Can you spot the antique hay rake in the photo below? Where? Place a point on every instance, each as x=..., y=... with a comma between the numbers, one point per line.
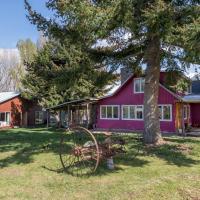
x=81, y=153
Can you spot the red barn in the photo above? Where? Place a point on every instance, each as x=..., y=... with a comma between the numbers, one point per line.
x=17, y=111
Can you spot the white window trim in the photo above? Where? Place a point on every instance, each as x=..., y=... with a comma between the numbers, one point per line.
x=140, y=85
x=136, y=119
x=112, y=112
x=166, y=120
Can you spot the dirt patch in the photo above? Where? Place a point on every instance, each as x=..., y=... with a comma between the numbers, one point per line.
x=184, y=148
x=189, y=194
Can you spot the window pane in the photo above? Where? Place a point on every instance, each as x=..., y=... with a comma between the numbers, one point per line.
x=166, y=112
x=185, y=112
x=38, y=117
x=132, y=112
x=160, y=112
x=115, y=112
x=137, y=85
x=103, y=112
x=125, y=112
x=139, y=112
x=109, y=112
x=2, y=117
x=142, y=85
x=8, y=117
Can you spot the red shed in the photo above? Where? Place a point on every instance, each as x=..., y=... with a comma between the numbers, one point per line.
x=17, y=111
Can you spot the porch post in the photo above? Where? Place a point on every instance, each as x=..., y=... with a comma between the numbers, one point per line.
x=47, y=118
x=183, y=122
x=78, y=117
x=60, y=120
x=68, y=115
x=87, y=114
x=71, y=116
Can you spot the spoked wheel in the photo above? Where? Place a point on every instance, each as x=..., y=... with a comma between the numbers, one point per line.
x=79, y=152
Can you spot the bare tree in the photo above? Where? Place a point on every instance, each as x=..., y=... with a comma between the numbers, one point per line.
x=9, y=63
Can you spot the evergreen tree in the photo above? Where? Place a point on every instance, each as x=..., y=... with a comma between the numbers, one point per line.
x=57, y=75
x=128, y=32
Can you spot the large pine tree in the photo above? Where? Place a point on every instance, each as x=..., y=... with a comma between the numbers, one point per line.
x=129, y=32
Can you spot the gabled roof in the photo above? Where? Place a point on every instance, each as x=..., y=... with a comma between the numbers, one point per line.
x=121, y=86
x=5, y=96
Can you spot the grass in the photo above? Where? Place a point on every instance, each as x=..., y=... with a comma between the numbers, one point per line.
x=30, y=169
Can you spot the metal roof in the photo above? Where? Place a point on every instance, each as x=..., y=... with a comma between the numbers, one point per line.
x=191, y=98
x=78, y=101
x=5, y=96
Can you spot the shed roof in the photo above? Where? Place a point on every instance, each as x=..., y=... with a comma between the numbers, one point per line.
x=5, y=96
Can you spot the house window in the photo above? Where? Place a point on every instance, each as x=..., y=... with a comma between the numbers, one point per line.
x=185, y=112
x=109, y=112
x=139, y=85
x=5, y=118
x=132, y=112
x=165, y=112
x=189, y=89
x=38, y=117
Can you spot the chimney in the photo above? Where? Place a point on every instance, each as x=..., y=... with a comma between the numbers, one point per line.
x=126, y=72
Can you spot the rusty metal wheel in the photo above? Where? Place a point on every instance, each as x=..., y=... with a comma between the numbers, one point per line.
x=79, y=151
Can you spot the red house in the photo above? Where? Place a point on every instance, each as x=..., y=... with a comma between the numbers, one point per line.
x=123, y=110
x=17, y=111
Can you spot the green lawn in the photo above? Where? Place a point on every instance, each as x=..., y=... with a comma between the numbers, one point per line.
x=30, y=169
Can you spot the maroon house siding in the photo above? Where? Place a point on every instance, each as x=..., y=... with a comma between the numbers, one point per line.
x=126, y=96
x=195, y=114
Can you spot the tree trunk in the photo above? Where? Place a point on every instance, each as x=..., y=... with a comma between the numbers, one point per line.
x=152, y=133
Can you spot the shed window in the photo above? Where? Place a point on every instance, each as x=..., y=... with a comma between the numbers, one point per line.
x=109, y=112
x=38, y=117
x=5, y=118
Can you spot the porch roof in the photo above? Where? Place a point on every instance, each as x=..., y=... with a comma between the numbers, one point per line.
x=192, y=98
x=74, y=102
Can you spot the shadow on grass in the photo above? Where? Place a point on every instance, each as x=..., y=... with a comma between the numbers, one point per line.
x=175, y=153
x=28, y=142
x=25, y=143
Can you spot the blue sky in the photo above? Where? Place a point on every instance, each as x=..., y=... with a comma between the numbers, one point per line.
x=13, y=22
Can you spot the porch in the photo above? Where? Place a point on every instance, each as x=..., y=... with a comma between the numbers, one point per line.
x=194, y=132
x=192, y=127
x=77, y=112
